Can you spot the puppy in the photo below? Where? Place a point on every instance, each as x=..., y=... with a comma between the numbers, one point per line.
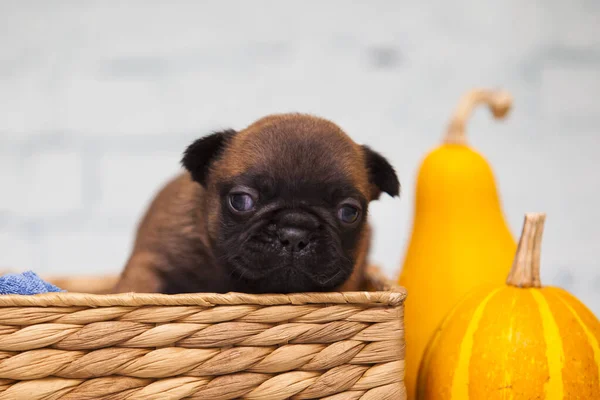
x=278, y=207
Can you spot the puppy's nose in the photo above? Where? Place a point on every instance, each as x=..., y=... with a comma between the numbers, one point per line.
x=294, y=238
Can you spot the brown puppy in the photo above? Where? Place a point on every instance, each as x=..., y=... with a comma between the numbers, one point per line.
x=278, y=207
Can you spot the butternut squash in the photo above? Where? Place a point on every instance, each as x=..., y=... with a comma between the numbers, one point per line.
x=515, y=341
x=459, y=237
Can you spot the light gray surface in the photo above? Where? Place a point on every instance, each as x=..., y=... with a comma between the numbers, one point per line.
x=98, y=99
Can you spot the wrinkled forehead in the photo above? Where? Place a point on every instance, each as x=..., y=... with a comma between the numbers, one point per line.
x=311, y=153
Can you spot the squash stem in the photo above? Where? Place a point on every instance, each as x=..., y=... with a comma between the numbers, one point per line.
x=499, y=102
x=525, y=270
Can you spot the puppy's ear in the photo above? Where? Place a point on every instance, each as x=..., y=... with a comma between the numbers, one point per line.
x=199, y=155
x=381, y=174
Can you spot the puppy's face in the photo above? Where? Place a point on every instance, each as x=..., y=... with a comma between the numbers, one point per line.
x=287, y=201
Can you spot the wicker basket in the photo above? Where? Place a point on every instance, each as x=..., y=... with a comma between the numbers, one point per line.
x=203, y=346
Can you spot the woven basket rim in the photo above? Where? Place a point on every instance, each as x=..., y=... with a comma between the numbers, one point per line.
x=201, y=299
x=392, y=295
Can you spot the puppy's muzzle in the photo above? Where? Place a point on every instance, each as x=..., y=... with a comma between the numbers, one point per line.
x=294, y=239
x=295, y=229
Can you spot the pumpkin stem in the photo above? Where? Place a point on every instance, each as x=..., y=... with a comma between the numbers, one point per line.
x=525, y=271
x=499, y=102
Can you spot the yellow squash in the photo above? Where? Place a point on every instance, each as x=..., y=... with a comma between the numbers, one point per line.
x=459, y=238
x=515, y=341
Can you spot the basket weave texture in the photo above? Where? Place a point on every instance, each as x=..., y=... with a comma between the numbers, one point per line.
x=79, y=346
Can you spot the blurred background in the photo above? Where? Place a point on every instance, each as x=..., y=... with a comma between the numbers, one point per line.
x=98, y=99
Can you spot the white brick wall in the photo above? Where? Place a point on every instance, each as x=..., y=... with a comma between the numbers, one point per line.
x=128, y=182
x=10, y=196
x=19, y=252
x=98, y=100
x=92, y=252
x=571, y=90
x=50, y=184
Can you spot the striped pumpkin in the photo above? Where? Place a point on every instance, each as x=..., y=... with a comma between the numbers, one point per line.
x=516, y=341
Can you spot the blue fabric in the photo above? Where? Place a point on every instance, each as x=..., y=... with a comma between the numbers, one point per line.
x=26, y=283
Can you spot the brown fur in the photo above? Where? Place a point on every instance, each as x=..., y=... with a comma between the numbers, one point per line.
x=176, y=235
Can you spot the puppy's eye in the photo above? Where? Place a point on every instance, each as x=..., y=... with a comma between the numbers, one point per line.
x=348, y=214
x=241, y=202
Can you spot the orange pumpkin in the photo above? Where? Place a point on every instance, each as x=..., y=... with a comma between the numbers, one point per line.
x=516, y=341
